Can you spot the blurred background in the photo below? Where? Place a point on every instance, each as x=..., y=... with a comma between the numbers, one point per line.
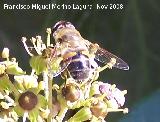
x=132, y=33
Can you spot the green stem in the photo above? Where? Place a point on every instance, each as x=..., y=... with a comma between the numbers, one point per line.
x=50, y=98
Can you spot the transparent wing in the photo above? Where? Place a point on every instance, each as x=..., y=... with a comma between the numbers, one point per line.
x=105, y=57
x=62, y=67
x=57, y=62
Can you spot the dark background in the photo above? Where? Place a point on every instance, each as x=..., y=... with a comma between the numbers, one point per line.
x=132, y=33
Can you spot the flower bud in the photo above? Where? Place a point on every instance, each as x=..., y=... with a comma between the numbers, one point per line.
x=99, y=108
x=48, y=30
x=56, y=107
x=4, y=105
x=5, y=53
x=71, y=92
x=2, y=69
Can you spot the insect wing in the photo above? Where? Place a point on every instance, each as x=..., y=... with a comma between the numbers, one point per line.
x=62, y=67
x=57, y=60
x=105, y=57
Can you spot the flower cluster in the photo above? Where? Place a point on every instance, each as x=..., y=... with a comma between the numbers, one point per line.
x=36, y=97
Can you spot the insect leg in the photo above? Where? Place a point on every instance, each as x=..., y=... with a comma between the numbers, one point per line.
x=108, y=65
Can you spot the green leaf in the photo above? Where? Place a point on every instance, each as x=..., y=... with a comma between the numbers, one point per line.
x=33, y=115
x=38, y=63
x=14, y=70
x=42, y=101
x=19, y=110
x=82, y=115
x=5, y=83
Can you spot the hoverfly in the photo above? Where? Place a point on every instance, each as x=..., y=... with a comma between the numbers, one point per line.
x=80, y=55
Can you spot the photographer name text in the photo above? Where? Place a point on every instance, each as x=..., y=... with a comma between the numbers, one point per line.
x=52, y=6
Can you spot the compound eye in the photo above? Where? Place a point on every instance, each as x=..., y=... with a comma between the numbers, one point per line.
x=60, y=25
x=59, y=40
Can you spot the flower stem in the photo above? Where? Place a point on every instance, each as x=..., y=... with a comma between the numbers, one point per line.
x=50, y=78
x=47, y=78
x=46, y=81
